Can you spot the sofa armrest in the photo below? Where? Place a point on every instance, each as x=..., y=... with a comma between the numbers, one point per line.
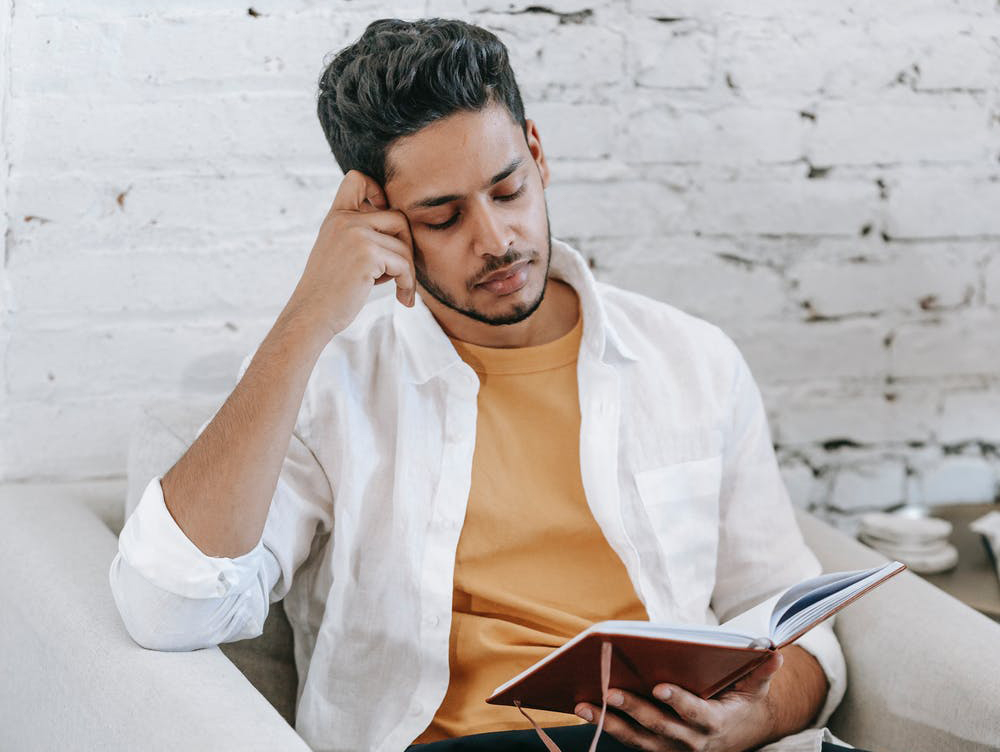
x=921, y=666
x=81, y=682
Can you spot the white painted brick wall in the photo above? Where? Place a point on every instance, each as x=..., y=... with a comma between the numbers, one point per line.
x=820, y=179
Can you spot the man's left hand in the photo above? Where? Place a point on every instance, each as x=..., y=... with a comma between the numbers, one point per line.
x=738, y=719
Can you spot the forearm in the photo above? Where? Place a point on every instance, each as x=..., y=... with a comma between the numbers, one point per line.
x=796, y=693
x=219, y=492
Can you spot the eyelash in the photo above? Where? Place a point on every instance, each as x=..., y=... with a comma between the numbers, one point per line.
x=450, y=222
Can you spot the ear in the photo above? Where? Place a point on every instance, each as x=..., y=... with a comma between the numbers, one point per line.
x=535, y=147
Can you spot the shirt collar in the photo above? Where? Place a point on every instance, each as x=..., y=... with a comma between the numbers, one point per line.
x=427, y=352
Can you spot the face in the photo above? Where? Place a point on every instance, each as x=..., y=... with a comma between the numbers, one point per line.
x=472, y=189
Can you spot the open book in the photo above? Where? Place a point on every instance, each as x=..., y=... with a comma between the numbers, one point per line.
x=702, y=659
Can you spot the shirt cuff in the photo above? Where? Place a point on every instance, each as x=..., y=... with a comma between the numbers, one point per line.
x=155, y=546
x=821, y=642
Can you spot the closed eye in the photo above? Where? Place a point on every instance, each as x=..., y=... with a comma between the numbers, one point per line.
x=450, y=222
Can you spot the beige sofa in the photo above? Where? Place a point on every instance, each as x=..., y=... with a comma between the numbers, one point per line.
x=923, y=669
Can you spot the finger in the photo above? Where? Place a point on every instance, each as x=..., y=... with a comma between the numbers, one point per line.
x=392, y=223
x=631, y=733
x=359, y=192
x=693, y=711
x=654, y=716
x=390, y=264
x=759, y=679
x=394, y=245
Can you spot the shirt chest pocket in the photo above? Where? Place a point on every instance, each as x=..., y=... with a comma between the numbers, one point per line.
x=682, y=503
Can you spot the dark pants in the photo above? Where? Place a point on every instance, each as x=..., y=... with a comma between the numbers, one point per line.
x=569, y=738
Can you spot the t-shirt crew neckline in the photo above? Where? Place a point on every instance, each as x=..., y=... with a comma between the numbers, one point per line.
x=510, y=360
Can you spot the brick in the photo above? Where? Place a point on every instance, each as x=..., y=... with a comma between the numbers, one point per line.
x=258, y=129
x=162, y=209
x=807, y=9
x=956, y=480
x=818, y=352
x=970, y=416
x=548, y=57
x=848, y=56
x=916, y=207
x=589, y=209
x=561, y=134
x=912, y=279
x=950, y=52
x=992, y=276
x=135, y=59
x=60, y=365
x=701, y=284
x=197, y=10
x=785, y=55
x=576, y=53
x=869, y=487
x=239, y=282
x=670, y=56
x=861, y=417
x=956, y=129
x=799, y=482
x=730, y=135
x=959, y=345
x=778, y=207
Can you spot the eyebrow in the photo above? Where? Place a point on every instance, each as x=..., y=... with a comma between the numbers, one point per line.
x=438, y=200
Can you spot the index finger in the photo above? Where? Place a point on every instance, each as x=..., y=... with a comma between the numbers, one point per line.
x=355, y=189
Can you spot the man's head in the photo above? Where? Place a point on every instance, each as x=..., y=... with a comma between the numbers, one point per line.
x=430, y=109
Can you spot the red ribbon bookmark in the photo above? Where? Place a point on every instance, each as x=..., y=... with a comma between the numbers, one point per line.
x=605, y=681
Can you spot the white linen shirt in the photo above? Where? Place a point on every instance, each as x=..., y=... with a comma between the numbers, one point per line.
x=677, y=466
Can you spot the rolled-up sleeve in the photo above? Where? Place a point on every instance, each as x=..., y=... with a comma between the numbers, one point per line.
x=761, y=549
x=173, y=596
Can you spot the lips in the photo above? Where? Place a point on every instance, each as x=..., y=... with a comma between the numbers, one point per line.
x=504, y=272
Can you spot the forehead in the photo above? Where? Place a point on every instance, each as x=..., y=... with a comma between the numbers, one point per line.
x=453, y=155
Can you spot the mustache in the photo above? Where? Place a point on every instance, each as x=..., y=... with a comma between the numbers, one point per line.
x=507, y=260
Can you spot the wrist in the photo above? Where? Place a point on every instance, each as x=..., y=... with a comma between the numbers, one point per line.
x=301, y=333
x=295, y=322
x=768, y=723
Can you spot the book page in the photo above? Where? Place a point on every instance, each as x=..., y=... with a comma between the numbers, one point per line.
x=811, y=601
x=755, y=620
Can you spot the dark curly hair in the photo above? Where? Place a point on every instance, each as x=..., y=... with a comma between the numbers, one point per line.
x=403, y=75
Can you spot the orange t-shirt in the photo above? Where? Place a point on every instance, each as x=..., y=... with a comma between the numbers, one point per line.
x=532, y=567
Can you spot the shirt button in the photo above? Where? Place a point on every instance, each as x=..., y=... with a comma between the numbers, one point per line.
x=416, y=709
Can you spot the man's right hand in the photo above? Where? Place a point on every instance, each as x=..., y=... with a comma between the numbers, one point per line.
x=361, y=243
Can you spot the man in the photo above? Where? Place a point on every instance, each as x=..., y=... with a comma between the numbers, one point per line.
x=445, y=489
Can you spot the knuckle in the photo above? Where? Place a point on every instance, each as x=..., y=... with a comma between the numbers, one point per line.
x=662, y=727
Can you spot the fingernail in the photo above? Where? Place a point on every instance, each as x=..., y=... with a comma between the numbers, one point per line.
x=615, y=698
x=585, y=714
x=662, y=693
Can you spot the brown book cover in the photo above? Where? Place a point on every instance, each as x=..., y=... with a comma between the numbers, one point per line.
x=571, y=674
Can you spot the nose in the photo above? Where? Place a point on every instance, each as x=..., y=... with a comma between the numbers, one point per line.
x=490, y=234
